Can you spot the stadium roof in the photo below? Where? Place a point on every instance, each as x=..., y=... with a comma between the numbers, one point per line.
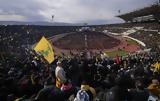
x=151, y=10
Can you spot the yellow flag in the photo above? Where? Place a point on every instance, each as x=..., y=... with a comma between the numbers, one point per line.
x=45, y=49
x=156, y=67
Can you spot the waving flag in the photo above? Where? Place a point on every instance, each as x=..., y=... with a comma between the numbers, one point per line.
x=156, y=67
x=45, y=49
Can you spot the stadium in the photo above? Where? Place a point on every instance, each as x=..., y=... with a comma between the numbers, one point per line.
x=107, y=62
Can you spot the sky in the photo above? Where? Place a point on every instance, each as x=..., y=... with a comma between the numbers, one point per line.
x=70, y=11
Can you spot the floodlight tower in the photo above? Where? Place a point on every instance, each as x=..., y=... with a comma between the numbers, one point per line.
x=52, y=18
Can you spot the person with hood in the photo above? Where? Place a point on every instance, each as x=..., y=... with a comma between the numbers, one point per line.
x=60, y=75
x=139, y=93
x=119, y=91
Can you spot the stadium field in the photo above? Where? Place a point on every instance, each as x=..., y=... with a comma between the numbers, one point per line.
x=117, y=52
x=131, y=42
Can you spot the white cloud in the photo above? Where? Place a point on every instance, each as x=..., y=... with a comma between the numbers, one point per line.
x=76, y=11
x=12, y=18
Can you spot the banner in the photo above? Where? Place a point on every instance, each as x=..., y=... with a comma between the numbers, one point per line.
x=45, y=49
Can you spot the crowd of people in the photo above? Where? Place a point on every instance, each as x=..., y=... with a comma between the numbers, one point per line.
x=150, y=37
x=147, y=25
x=81, y=78
x=15, y=38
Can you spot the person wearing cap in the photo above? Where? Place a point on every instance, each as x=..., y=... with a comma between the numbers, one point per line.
x=60, y=75
x=86, y=93
x=154, y=90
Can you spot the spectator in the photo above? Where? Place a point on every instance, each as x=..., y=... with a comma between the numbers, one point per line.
x=60, y=75
x=154, y=90
x=139, y=93
x=86, y=93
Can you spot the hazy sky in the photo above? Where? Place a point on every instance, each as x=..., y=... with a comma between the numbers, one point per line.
x=73, y=11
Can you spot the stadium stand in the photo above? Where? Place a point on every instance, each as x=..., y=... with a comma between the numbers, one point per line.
x=26, y=76
x=14, y=38
x=151, y=13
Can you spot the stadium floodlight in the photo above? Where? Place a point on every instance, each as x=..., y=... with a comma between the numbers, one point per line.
x=52, y=17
